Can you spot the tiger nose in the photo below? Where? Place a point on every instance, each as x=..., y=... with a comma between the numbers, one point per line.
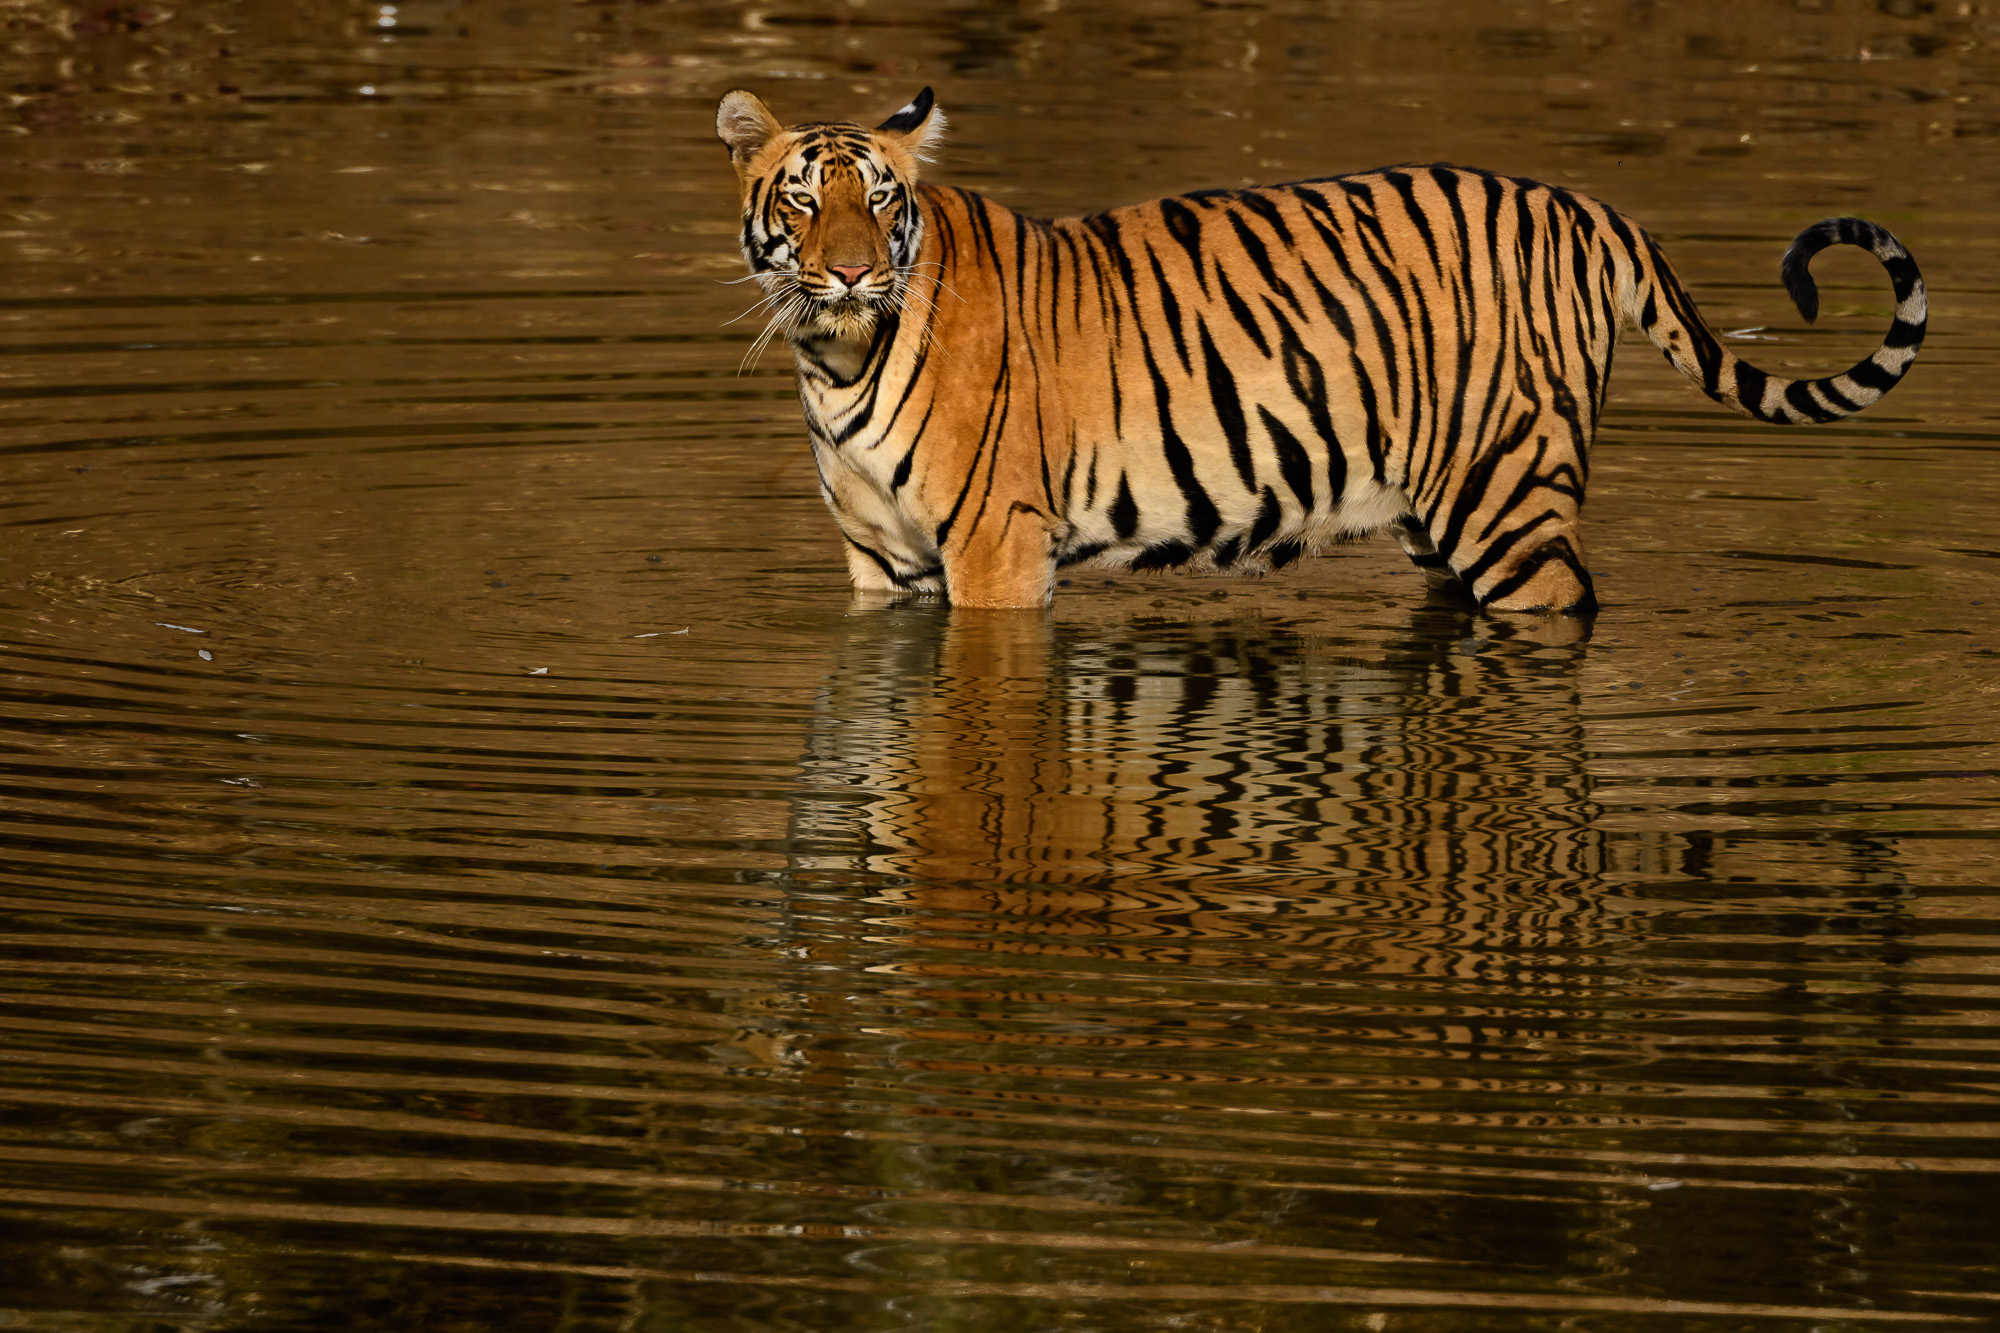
x=851, y=274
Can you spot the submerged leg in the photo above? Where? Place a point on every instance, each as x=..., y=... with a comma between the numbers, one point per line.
x=1507, y=523
x=1004, y=561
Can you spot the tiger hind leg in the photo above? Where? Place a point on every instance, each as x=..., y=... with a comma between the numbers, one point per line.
x=1509, y=528
x=1550, y=577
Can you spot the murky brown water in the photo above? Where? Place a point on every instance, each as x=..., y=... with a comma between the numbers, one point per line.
x=1213, y=956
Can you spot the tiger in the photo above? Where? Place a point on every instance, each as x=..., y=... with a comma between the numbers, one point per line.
x=1226, y=380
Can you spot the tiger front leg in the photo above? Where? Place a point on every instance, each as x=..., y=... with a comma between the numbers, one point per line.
x=1003, y=560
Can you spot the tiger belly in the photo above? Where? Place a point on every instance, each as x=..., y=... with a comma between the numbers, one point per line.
x=1147, y=526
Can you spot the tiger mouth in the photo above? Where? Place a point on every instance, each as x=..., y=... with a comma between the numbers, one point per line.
x=852, y=311
x=852, y=300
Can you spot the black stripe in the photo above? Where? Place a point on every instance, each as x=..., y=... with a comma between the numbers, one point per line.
x=1244, y=318
x=876, y=556
x=918, y=576
x=1800, y=397
x=1555, y=549
x=1307, y=380
x=1406, y=189
x=922, y=359
x=1164, y=555
x=996, y=398
x=1294, y=464
x=902, y=474
x=1228, y=406
x=1903, y=274
x=1374, y=248
x=1425, y=404
x=1264, y=207
x=1464, y=301
x=862, y=411
x=1371, y=435
x=1088, y=551
x=1472, y=488
x=1170, y=309
x=1708, y=353
x=1124, y=514
x=1202, y=517
x=1750, y=383
x=1185, y=228
x=1260, y=257
x=1870, y=374
x=1269, y=516
x=1835, y=396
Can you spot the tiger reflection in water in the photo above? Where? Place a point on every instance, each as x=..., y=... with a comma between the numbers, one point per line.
x=1179, y=791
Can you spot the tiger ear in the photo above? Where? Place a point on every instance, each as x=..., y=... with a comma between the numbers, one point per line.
x=744, y=123
x=919, y=126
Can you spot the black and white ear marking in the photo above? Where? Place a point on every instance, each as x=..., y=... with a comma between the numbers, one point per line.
x=919, y=124
x=912, y=115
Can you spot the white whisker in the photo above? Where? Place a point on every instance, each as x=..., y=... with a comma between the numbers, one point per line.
x=778, y=295
x=937, y=279
x=908, y=294
x=781, y=319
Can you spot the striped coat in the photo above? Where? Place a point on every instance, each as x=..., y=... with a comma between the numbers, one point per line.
x=1230, y=379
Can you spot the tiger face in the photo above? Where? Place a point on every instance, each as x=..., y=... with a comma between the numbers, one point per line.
x=831, y=226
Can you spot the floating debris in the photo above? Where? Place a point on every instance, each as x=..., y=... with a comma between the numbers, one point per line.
x=204, y=654
x=539, y=671
x=182, y=628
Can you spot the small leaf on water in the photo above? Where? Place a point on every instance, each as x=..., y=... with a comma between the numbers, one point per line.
x=539, y=671
x=204, y=654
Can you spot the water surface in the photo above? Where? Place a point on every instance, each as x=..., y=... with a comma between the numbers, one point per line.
x=468, y=867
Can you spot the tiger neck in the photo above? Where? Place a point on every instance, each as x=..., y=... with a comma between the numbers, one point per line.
x=832, y=361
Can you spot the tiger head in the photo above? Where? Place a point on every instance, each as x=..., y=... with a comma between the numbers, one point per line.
x=831, y=226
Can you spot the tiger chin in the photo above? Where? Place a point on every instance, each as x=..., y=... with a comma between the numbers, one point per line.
x=1226, y=380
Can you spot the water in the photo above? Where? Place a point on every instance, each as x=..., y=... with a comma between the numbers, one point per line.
x=468, y=867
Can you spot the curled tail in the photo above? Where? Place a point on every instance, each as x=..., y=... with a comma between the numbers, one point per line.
x=1669, y=317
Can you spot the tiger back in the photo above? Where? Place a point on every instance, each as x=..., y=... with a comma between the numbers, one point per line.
x=1225, y=380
